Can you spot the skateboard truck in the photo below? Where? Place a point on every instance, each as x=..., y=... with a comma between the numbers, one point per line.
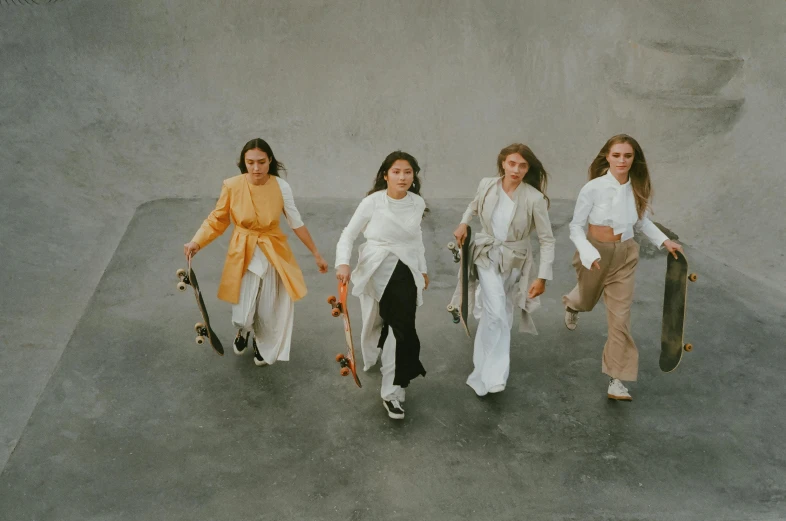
x=201, y=331
x=453, y=310
x=455, y=251
x=184, y=280
x=344, y=363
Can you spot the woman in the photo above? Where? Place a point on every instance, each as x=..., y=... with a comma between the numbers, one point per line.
x=614, y=202
x=509, y=205
x=390, y=275
x=261, y=277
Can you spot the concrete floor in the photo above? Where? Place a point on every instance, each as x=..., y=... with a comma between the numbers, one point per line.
x=137, y=422
x=108, y=105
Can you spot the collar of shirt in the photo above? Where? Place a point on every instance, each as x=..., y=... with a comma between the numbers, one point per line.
x=623, y=207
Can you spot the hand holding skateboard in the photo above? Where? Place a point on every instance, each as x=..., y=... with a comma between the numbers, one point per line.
x=461, y=235
x=190, y=249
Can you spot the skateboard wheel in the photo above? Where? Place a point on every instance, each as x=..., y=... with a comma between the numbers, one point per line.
x=692, y=277
x=451, y=246
x=344, y=371
x=335, y=312
x=180, y=273
x=339, y=357
x=198, y=326
x=331, y=300
x=688, y=347
x=451, y=308
x=181, y=286
x=200, y=340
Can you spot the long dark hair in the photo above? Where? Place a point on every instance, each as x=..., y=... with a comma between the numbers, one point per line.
x=379, y=180
x=536, y=175
x=261, y=144
x=639, y=174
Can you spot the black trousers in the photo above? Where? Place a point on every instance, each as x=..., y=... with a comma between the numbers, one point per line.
x=397, y=308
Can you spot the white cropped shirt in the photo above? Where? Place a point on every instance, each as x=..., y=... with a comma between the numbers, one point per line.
x=605, y=202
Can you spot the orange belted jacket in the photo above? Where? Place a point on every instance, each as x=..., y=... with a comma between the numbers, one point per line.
x=255, y=210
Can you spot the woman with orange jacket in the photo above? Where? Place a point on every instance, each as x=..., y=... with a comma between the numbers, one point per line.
x=261, y=278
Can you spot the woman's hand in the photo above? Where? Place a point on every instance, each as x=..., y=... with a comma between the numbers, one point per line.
x=190, y=249
x=460, y=234
x=342, y=273
x=537, y=287
x=673, y=247
x=322, y=265
x=595, y=265
x=425, y=277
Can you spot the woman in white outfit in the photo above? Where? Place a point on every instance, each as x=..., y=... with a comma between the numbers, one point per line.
x=613, y=204
x=509, y=205
x=390, y=275
x=261, y=278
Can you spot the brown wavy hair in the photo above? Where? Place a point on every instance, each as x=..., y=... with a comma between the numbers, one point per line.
x=639, y=174
x=536, y=176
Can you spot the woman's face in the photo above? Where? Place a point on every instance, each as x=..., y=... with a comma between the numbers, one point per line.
x=620, y=158
x=515, y=167
x=257, y=164
x=400, y=176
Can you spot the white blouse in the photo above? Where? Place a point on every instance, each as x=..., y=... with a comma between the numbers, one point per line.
x=605, y=202
x=393, y=233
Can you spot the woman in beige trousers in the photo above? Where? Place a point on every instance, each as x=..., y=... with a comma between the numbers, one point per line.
x=614, y=202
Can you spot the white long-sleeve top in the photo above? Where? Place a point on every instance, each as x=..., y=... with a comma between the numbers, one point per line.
x=393, y=233
x=605, y=202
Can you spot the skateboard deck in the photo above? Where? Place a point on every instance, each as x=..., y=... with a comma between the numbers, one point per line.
x=203, y=329
x=461, y=313
x=345, y=360
x=674, y=308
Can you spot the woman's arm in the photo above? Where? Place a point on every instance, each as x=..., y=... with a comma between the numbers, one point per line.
x=656, y=237
x=215, y=224
x=298, y=227
x=472, y=210
x=357, y=224
x=588, y=254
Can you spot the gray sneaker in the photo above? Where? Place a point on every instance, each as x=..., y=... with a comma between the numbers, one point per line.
x=571, y=319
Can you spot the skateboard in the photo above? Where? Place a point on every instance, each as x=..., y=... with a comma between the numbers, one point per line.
x=346, y=361
x=674, y=306
x=203, y=329
x=462, y=255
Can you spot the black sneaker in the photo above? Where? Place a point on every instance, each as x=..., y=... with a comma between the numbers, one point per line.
x=394, y=409
x=258, y=360
x=240, y=342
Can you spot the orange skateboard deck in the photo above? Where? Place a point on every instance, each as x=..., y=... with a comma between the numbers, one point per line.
x=345, y=360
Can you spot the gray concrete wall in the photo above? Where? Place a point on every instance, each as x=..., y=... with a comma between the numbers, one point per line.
x=106, y=105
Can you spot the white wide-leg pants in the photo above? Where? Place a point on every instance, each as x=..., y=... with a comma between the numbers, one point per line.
x=494, y=308
x=265, y=308
x=369, y=340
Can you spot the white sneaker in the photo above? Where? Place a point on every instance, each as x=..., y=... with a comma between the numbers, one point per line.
x=571, y=319
x=617, y=391
x=394, y=409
